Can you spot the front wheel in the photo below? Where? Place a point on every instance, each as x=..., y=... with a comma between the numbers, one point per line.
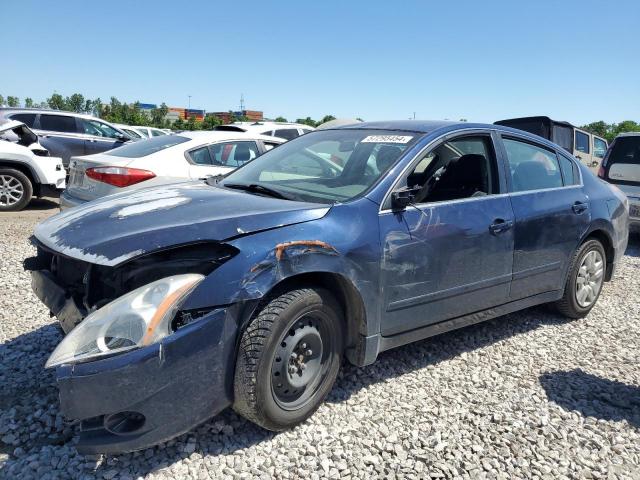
x=585, y=280
x=15, y=190
x=288, y=358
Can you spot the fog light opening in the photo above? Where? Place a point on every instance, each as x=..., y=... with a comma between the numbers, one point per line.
x=124, y=423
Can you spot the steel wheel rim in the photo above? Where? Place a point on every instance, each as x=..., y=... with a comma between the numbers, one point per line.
x=300, y=363
x=589, y=278
x=11, y=190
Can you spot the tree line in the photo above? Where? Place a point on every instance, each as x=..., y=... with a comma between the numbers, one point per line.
x=131, y=114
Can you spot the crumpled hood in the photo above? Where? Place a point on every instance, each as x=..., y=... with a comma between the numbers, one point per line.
x=116, y=228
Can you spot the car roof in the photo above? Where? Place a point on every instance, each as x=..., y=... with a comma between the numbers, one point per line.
x=214, y=135
x=50, y=111
x=419, y=126
x=628, y=134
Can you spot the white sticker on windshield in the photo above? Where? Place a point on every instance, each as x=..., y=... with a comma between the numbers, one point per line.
x=387, y=139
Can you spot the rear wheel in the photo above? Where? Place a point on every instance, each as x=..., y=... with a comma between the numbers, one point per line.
x=288, y=358
x=15, y=190
x=585, y=280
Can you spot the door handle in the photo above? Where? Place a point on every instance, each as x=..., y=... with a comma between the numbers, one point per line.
x=499, y=225
x=579, y=207
x=92, y=140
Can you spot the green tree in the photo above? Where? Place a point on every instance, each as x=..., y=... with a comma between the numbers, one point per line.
x=56, y=102
x=280, y=119
x=599, y=128
x=158, y=114
x=210, y=121
x=179, y=124
x=1, y=100
x=75, y=103
x=28, y=102
x=13, y=101
x=326, y=118
x=307, y=121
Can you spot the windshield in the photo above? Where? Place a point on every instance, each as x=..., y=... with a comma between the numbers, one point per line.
x=326, y=166
x=147, y=146
x=625, y=150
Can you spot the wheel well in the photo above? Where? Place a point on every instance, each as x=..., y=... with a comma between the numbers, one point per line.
x=342, y=289
x=24, y=169
x=605, y=240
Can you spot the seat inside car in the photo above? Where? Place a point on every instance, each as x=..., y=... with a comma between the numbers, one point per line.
x=530, y=175
x=465, y=177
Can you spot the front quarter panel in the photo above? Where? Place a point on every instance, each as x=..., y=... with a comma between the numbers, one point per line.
x=344, y=242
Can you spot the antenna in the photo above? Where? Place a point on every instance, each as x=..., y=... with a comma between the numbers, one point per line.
x=242, y=102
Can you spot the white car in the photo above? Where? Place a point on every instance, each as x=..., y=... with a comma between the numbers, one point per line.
x=148, y=132
x=129, y=130
x=26, y=169
x=161, y=160
x=286, y=131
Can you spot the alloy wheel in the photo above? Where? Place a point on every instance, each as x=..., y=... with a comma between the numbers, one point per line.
x=11, y=190
x=589, y=278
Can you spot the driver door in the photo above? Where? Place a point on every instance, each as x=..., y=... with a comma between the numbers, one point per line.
x=451, y=252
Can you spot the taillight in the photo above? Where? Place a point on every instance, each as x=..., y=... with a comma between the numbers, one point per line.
x=119, y=176
x=601, y=172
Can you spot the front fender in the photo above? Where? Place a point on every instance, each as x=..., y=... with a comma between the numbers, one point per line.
x=344, y=242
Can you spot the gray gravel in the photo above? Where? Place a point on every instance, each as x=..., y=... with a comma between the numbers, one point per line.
x=529, y=395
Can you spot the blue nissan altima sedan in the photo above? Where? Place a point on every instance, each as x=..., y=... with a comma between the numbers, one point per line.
x=248, y=290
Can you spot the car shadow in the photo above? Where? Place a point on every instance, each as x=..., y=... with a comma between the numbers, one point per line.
x=43, y=203
x=227, y=432
x=593, y=396
x=633, y=249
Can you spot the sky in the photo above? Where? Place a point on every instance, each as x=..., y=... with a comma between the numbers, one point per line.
x=478, y=60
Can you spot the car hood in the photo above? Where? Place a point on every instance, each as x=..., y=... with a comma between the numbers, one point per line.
x=114, y=229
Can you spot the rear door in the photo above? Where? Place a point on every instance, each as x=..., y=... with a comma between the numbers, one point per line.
x=60, y=134
x=551, y=214
x=583, y=149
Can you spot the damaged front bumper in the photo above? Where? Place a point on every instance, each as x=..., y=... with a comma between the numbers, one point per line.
x=146, y=396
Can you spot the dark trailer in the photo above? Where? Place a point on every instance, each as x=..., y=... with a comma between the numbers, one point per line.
x=560, y=133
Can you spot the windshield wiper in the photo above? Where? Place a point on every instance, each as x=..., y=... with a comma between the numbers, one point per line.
x=258, y=188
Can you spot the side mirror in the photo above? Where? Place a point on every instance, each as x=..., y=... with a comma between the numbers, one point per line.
x=402, y=198
x=122, y=137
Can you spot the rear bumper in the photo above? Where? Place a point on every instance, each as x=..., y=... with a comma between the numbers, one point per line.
x=69, y=201
x=163, y=390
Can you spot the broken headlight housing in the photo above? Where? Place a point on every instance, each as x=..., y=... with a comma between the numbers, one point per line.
x=136, y=319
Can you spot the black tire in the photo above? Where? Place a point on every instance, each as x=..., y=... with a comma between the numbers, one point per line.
x=8, y=179
x=262, y=376
x=569, y=305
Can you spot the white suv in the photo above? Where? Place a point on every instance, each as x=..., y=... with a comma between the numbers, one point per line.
x=26, y=169
x=286, y=131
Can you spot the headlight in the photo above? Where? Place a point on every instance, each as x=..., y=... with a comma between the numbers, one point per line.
x=136, y=319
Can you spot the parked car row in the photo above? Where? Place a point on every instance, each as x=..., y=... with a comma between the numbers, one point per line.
x=249, y=290
x=160, y=160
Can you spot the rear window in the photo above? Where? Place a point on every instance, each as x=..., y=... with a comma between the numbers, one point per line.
x=625, y=150
x=286, y=133
x=147, y=146
x=58, y=123
x=27, y=118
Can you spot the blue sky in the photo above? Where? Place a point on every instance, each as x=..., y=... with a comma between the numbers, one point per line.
x=480, y=60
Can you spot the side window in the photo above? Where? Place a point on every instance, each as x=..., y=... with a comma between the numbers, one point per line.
x=599, y=147
x=582, y=142
x=201, y=156
x=268, y=133
x=569, y=171
x=532, y=167
x=459, y=168
x=98, y=129
x=233, y=154
x=286, y=133
x=58, y=123
x=157, y=133
x=268, y=145
x=27, y=118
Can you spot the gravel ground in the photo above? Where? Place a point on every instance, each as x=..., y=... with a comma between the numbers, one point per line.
x=529, y=395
